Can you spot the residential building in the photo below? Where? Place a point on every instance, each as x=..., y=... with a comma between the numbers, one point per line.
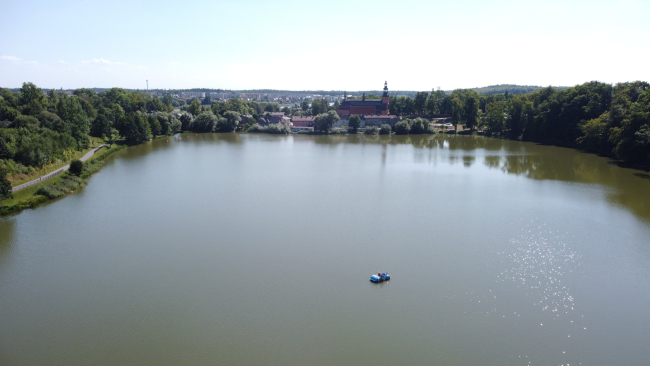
x=302, y=123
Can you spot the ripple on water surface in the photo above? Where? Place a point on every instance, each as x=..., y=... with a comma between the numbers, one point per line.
x=538, y=260
x=538, y=264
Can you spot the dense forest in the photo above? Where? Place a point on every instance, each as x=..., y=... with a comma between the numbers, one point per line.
x=37, y=129
x=612, y=120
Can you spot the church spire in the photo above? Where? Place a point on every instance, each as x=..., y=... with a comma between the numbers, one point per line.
x=385, y=89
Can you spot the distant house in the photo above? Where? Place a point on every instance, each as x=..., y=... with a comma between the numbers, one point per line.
x=302, y=123
x=276, y=117
x=273, y=117
x=245, y=118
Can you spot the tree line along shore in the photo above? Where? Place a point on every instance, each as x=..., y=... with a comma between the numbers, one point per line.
x=40, y=130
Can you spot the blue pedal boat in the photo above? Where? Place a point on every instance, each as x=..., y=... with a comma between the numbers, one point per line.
x=380, y=277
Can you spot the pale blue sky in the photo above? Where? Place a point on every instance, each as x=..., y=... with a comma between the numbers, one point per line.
x=297, y=45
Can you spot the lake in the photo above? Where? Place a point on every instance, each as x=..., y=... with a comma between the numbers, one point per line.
x=237, y=249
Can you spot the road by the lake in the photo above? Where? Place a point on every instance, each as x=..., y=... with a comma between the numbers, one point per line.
x=56, y=172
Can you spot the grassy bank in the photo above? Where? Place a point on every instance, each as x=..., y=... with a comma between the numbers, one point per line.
x=19, y=174
x=56, y=187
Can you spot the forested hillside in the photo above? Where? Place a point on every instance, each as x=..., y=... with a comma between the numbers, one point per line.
x=37, y=129
x=612, y=120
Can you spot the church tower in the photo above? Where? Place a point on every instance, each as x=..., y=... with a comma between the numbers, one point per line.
x=384, y=98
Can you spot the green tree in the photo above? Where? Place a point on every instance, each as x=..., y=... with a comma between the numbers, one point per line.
x=593, y=134
x=154, y=126
x=315, y=107
x=76, y=167
x=304, y=105
x=371, y=130
x=186, y=121
x=205, y=122
x=194, y=108
x=100, y=126
x=324, y=121
x=419, y=103
x=516, y=110
x=403, y=127
x=112, y=136
x=167, y=100
x=420, y=125
x=135, y=129
x=5, y=151
x=230, y=121
x=79, y=129
x=8, y=113
x=432, y=104
x=384, y=129
x=49, y=120
x=456, y=110
x=24, y=121
x=30, y=93
x=496, y=117
x=354, y=122
x=471, y=109
x=5, y=185
x=234, y=105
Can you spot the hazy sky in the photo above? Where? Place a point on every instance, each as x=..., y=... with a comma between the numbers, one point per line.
x=330, y=45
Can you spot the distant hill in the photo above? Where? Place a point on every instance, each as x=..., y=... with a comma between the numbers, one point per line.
x=511, y=88
x=491, y=89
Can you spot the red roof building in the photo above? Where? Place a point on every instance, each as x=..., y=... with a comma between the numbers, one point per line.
x=303, y=122
x=361, y=107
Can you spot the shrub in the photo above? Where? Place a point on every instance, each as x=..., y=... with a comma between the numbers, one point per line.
x=278, y=128
x=60, y=188
x=256, y=128
x=403, y=127
x=371, y=130
x=76, y=167
x=5, y=185
x=421, y=125
x=338, y=131
x=384, y=130
x=273, y=128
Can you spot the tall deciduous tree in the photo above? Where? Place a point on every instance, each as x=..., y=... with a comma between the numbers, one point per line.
x=419, y=103
x=495, y=117
x=154, y=126
x=470, y=109
x=456, y=108
x=230, y=121
x=324, y=121
x=194, y=108
x=354, y=122
x=5, y=185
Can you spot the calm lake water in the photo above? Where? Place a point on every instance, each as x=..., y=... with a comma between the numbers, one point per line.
x=226, y=249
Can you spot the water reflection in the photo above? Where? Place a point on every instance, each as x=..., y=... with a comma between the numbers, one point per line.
x=468, y=160
x=530, y=160
x=512, y=157
x=6, y=237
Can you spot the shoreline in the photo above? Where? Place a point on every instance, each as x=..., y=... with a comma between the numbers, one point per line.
x=29, y=197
